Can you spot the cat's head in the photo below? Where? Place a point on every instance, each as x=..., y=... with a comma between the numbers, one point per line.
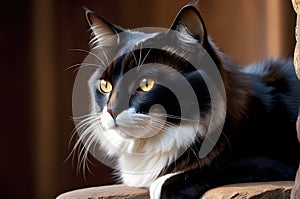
x=151, y=89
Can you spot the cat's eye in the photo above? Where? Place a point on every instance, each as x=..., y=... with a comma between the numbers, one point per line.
x=105, y=86
x=146, y=84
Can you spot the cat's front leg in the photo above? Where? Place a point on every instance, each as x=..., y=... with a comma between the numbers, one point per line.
x=194, y=183
x=176, y=185
x=156, y=186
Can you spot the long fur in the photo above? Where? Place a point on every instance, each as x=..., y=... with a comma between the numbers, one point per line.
x=160, y=149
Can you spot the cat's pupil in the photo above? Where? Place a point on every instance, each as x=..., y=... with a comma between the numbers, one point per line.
x=105, y=86
x=146, y=82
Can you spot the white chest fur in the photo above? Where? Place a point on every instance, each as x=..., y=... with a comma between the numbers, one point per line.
x=142, y=169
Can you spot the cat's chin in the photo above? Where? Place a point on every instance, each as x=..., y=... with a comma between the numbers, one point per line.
x=133, y=134
x=126, y=135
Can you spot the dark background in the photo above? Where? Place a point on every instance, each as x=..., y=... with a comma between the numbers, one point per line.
x=36, y=38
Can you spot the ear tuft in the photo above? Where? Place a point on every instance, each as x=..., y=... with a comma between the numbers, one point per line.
x=189, y=20
x=103, y=31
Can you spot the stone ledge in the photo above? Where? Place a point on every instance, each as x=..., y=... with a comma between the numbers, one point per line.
x=266, y=190
x=107, y=192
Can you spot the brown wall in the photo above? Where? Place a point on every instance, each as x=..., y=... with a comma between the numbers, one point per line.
x=36, y=38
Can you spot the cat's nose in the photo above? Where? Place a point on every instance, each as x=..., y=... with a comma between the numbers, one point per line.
x=115, y=106
x=113, y=112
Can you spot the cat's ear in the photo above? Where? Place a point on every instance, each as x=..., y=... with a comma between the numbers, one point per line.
x=105, y=33
x=189, y=21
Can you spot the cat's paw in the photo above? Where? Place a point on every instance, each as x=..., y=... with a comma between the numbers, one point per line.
x=156, y=186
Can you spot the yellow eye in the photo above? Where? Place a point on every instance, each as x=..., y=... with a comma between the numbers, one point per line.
x=105, y=86
x=147, y=84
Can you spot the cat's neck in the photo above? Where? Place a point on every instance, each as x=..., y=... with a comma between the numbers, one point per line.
x=239, y=91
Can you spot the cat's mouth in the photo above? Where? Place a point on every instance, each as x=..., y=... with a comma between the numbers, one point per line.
x=131, y=132
x=132, y=125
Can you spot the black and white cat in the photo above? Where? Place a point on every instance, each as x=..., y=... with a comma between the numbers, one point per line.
x=155, y=138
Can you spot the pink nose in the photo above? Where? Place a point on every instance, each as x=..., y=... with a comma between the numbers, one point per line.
x=113, y=112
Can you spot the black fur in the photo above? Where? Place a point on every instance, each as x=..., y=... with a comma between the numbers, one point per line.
x=259, y=140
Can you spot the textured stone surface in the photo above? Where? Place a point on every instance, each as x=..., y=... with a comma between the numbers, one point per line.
x=270, y=190
x=107, y=192
x=296, y=189
x=296, y=3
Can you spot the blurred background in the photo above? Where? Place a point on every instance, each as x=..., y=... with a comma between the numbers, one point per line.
x=37, y=38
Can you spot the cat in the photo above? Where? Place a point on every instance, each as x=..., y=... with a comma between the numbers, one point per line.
x=144, y=120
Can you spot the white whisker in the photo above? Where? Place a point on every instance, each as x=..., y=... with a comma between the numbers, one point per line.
x=140, y=65
x=173, y=117
x=135, y=60
x=86, y=138
x=159, y=122
x=104, y=53
x=96, y=56
x=140, y=58
x=79, y=66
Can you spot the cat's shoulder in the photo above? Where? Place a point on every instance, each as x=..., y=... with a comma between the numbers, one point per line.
x=272, y=71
